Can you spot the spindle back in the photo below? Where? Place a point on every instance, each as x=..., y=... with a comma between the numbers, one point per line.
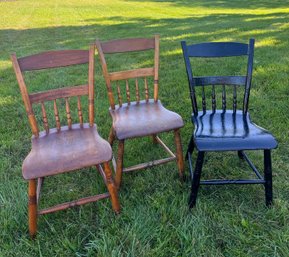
x=129, y=45
x=219, y=49
x=56, y=59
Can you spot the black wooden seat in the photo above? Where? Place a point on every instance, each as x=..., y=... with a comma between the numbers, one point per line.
x=229, y=131
x=220, y=128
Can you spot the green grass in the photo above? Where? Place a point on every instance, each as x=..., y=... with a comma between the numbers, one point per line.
x=155, y=220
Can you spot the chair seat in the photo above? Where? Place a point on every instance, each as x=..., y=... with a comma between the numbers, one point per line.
x=225, y=131
x=67, y=150
x=143, y=118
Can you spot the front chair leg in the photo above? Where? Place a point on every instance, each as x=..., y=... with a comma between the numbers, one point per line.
x=179, y=154
x=111, y=188
x=241, y=155
x=196, y=179
x=268, y=177
x=32, y=207
x=119, y=163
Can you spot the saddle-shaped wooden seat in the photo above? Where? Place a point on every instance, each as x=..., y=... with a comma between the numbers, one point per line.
x=143, y=119
x=229, y=131
x=67, y=150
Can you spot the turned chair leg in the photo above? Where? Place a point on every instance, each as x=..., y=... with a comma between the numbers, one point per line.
x=111, y=188
x=179, y=154
x=196, y=179
x=268, y=177
x=111, y=136
x=32, y=208
x=119, y=163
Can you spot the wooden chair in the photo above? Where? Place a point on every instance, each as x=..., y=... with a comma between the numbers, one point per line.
x=64, y=148
x=138, y=118
x=222, y=129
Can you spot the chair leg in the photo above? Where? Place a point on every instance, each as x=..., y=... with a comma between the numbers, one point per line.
x=155, y=141
x=111, y=136
x=191, y=147
x=196, y=179
x=268, y=177
x=179, y=154
x=32, y=208
x=111, y=188
x=241, y=155
x=119, y=163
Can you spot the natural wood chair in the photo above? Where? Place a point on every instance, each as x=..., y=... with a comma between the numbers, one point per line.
x=224, y=129
x=64, y=148
x=140, y=117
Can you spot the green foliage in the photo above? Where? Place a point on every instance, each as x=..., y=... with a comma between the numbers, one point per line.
x=155, y=220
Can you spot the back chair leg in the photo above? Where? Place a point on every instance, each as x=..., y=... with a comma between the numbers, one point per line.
x=241, y=155
x=111, y=136
x=268, y=177
x=155, y=141
x=119, y=163
x=111, y=188
x=191, y=147
x=32, y=207
x=179, y=148
x=196, y=179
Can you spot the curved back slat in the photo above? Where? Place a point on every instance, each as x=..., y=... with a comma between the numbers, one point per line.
x=127, y=45
x=53, y=59
x=217, y=49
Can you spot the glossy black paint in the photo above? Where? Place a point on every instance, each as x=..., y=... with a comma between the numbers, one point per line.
x=225, y=130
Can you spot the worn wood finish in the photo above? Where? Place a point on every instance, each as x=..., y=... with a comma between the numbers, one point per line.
x=64, y=148
x=142, y=117
x=225, y=130
x=127, y=45
x=32, y=207
x=179, y=153
x=56, y=114
x=58, y=93
x=156, y=67
x=44, y=118
x=63, y=206
x=119, y=163
x=137, y=73
x=53, y=59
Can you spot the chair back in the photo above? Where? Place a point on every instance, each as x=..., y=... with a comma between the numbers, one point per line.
x=129, y=45
x=56, y=59
x=213, y=50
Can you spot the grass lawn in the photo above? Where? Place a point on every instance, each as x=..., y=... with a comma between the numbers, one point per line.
x=155, y=220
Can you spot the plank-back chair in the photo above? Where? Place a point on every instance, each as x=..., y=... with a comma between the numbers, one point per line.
x=64, y=148
x=138, y=118
x=225, y=129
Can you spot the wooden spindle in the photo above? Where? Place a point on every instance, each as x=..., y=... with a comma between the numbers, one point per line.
x=79, y=111
x=203, y=99
x=137, y=90
x=213, y=98
x=146, y=89
x=119, y=95
x=44, y=118
x=56, y=116
x=68, y=115
x=127, y=92
x=224, y=98
x=235, y=98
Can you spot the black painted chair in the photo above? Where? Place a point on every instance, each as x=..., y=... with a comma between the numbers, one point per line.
x=222, y=129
